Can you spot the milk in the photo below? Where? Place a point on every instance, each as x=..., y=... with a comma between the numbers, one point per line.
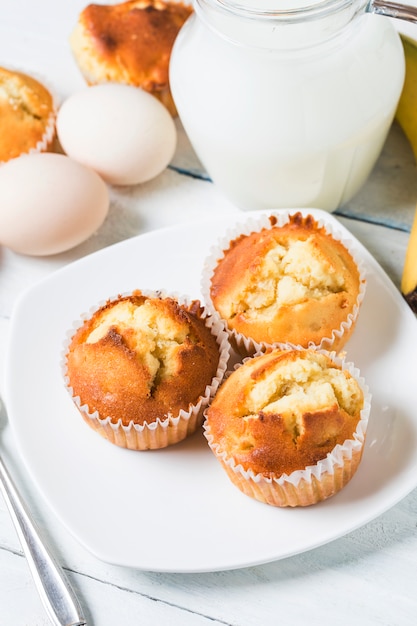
x=288, y=120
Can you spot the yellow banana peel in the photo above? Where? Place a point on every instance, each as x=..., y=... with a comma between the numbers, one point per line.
x=409, y=275
x=406, y=113
x=406, y=116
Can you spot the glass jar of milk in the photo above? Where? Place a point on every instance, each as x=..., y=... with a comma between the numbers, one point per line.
x=287, y=103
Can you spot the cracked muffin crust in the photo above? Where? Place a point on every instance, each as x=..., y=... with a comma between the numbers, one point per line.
x=292, y=283
x=280, y=413
x=130, y=43
x=27, y=115
x=140, y=360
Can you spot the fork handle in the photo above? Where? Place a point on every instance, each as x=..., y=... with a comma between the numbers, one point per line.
x=55, y=592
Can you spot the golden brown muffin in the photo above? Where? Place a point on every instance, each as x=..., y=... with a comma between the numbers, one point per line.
x=280, y=413
x=139, y=360
x=129, y=43
x=27, y=115
x=292, y=283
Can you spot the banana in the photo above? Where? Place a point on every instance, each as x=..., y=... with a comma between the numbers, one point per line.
x=406, y=116
x=409, y=275
x=406, y=113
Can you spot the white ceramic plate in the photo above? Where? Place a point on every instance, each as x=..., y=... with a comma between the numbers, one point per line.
x=174, y=509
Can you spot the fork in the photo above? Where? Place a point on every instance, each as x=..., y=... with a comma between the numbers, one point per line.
x=56, y=594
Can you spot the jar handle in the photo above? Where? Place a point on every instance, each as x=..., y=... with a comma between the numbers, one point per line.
x=393, y=9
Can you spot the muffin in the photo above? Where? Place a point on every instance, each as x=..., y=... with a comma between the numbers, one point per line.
x=129, y=43
x=289, y=279
x=289, y=425
x=142, y=367
x=27, y=115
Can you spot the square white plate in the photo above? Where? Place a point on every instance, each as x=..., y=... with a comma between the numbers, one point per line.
x=175, y=510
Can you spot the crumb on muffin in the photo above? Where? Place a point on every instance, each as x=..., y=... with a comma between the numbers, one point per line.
x=129, y=42
x=284, y=411
x=139, y=359
x=292, y=283
x=27, y=112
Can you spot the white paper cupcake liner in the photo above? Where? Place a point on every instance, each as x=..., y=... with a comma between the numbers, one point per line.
x=315, y=482
x=161, y=432
x=245, y=345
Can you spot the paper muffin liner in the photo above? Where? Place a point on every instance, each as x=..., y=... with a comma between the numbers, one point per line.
x=247, y=346
x=315, y=482
x=162, y=432
x=46, y=142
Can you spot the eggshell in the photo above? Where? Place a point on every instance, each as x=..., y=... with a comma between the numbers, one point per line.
x=49, y=203
x=122, y=132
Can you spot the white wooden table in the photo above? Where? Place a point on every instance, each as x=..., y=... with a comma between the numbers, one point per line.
x=365, y=578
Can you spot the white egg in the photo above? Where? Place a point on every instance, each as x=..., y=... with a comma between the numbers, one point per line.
x=122, y=132
x=49, y=203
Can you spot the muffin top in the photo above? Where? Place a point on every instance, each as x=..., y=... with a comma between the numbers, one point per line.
x=141, y=358
x=284, y=411
x=129, y=42
x=292, y=283
x=26, y=110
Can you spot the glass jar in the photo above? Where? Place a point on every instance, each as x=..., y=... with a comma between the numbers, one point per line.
x=287, y=107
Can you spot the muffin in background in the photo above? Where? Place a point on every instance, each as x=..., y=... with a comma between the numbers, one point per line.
x=289, y=425
x=27, y=115
x=142, y=368
x=129, y=43
x=286, y=278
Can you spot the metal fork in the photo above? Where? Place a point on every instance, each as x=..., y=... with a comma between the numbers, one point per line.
x=56, y=594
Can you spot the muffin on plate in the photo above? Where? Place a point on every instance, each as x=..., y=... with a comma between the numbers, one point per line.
x=27, y=115
x=129, y=43
x=142, y=368
x=285, y=278
x=289, y=425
